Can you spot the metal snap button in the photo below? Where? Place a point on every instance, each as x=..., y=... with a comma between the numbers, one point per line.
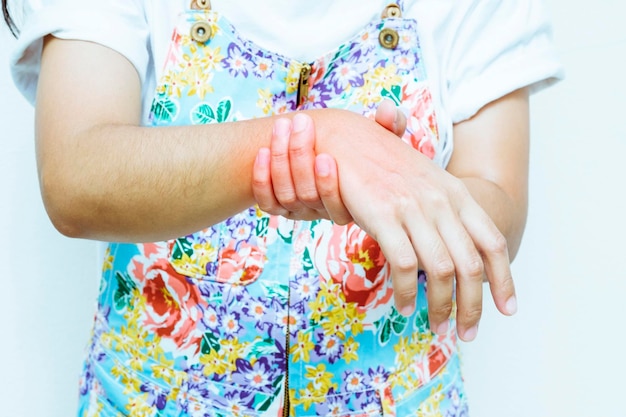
x=201, y=4
x=388, y=38
x=201, y=32
x=392, y=10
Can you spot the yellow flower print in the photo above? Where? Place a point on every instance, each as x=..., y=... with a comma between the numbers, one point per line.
x=318, y=308
x=293, y=77
x=187, y=266
x=129, y=381
x=431, y=407
x=306, y=398
x=200, y=83
x=173, y=82
x=335, y=323
x=167, y=374
x=265, y=100
x=384, y=77
x=368, y=95
x=350, y=349
x=138, y=406
x=107, y=265
x=211, y=58
x=214, y=363
x=320, y=379
x=136, y=362
x=232, y=350
x=404, y=352
x=300, y=351
x=355, y=319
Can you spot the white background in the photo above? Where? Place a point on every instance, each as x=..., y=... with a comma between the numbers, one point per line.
x=560, y=356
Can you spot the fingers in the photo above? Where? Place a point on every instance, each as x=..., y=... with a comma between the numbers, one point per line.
x=262, y=184
x=494, y=251
x=291, y=181
x=390, y=117
x=280, y=167
x=468, y=271
x=400, y=254
x=327, y=181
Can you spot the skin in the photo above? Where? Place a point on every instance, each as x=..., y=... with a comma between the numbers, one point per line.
x=105, y=177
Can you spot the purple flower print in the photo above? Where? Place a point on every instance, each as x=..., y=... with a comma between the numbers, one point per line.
x=263, y=67
x=258, y=377
x=156, y=397
x=327, y=346
x=376, y=378
x=230, y=326
x=334, y=405
x=319, y=96
x=238, y=62
x=354, y=381
x=346, y=73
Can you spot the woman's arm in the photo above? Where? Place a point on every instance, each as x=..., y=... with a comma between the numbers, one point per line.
x=105, y=177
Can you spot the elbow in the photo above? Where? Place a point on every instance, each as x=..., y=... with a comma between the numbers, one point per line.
x=62, y=207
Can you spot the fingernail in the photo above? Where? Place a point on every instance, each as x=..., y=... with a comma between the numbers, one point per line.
x=511, y=305
x=407, y=310
x=443, y=328
x=300, y=122
x=282, y=127
x=470, y=334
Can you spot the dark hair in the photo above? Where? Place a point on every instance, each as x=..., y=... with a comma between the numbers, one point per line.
x=8, y=19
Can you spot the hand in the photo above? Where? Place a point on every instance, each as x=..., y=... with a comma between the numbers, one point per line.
x=421, y=216
x=291, y=181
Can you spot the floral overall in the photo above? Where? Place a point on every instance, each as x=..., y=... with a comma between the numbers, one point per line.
x=260, y=315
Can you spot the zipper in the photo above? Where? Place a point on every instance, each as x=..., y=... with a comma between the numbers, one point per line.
x=303, y=84
x=286, y=403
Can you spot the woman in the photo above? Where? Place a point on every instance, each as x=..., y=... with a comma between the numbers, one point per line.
x=175, y=124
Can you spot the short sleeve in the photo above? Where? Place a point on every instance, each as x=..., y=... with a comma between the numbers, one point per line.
x=117, y=24
x=496, y=47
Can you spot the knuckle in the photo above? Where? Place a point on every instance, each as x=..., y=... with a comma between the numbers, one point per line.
x=406, y=264
x=470, y=315
x=441, y=310
x=498, y=244
x=309, y=196
x=474, y=269
x=409, y=293
x=443, y=270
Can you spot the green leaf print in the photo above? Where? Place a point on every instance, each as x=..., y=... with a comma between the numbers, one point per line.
x=202, y=114
x=262, y=226
x=181, y=248
x=125, y=287
x=286, y=238
x=223, y=110
x=421, y=323
x=274, y=289
x=395, y=94
x=385, y=334
x=398, y=321
x=263, y=347
x=269, y=399
x=210, y=342
x=164, y=109
x=307, y=262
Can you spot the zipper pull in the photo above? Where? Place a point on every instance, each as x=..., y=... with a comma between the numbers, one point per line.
x=303, y=84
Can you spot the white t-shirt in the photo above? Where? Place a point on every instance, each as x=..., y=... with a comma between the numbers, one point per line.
x=475, y=51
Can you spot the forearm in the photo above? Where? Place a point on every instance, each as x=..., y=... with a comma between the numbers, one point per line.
x=129, y=183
